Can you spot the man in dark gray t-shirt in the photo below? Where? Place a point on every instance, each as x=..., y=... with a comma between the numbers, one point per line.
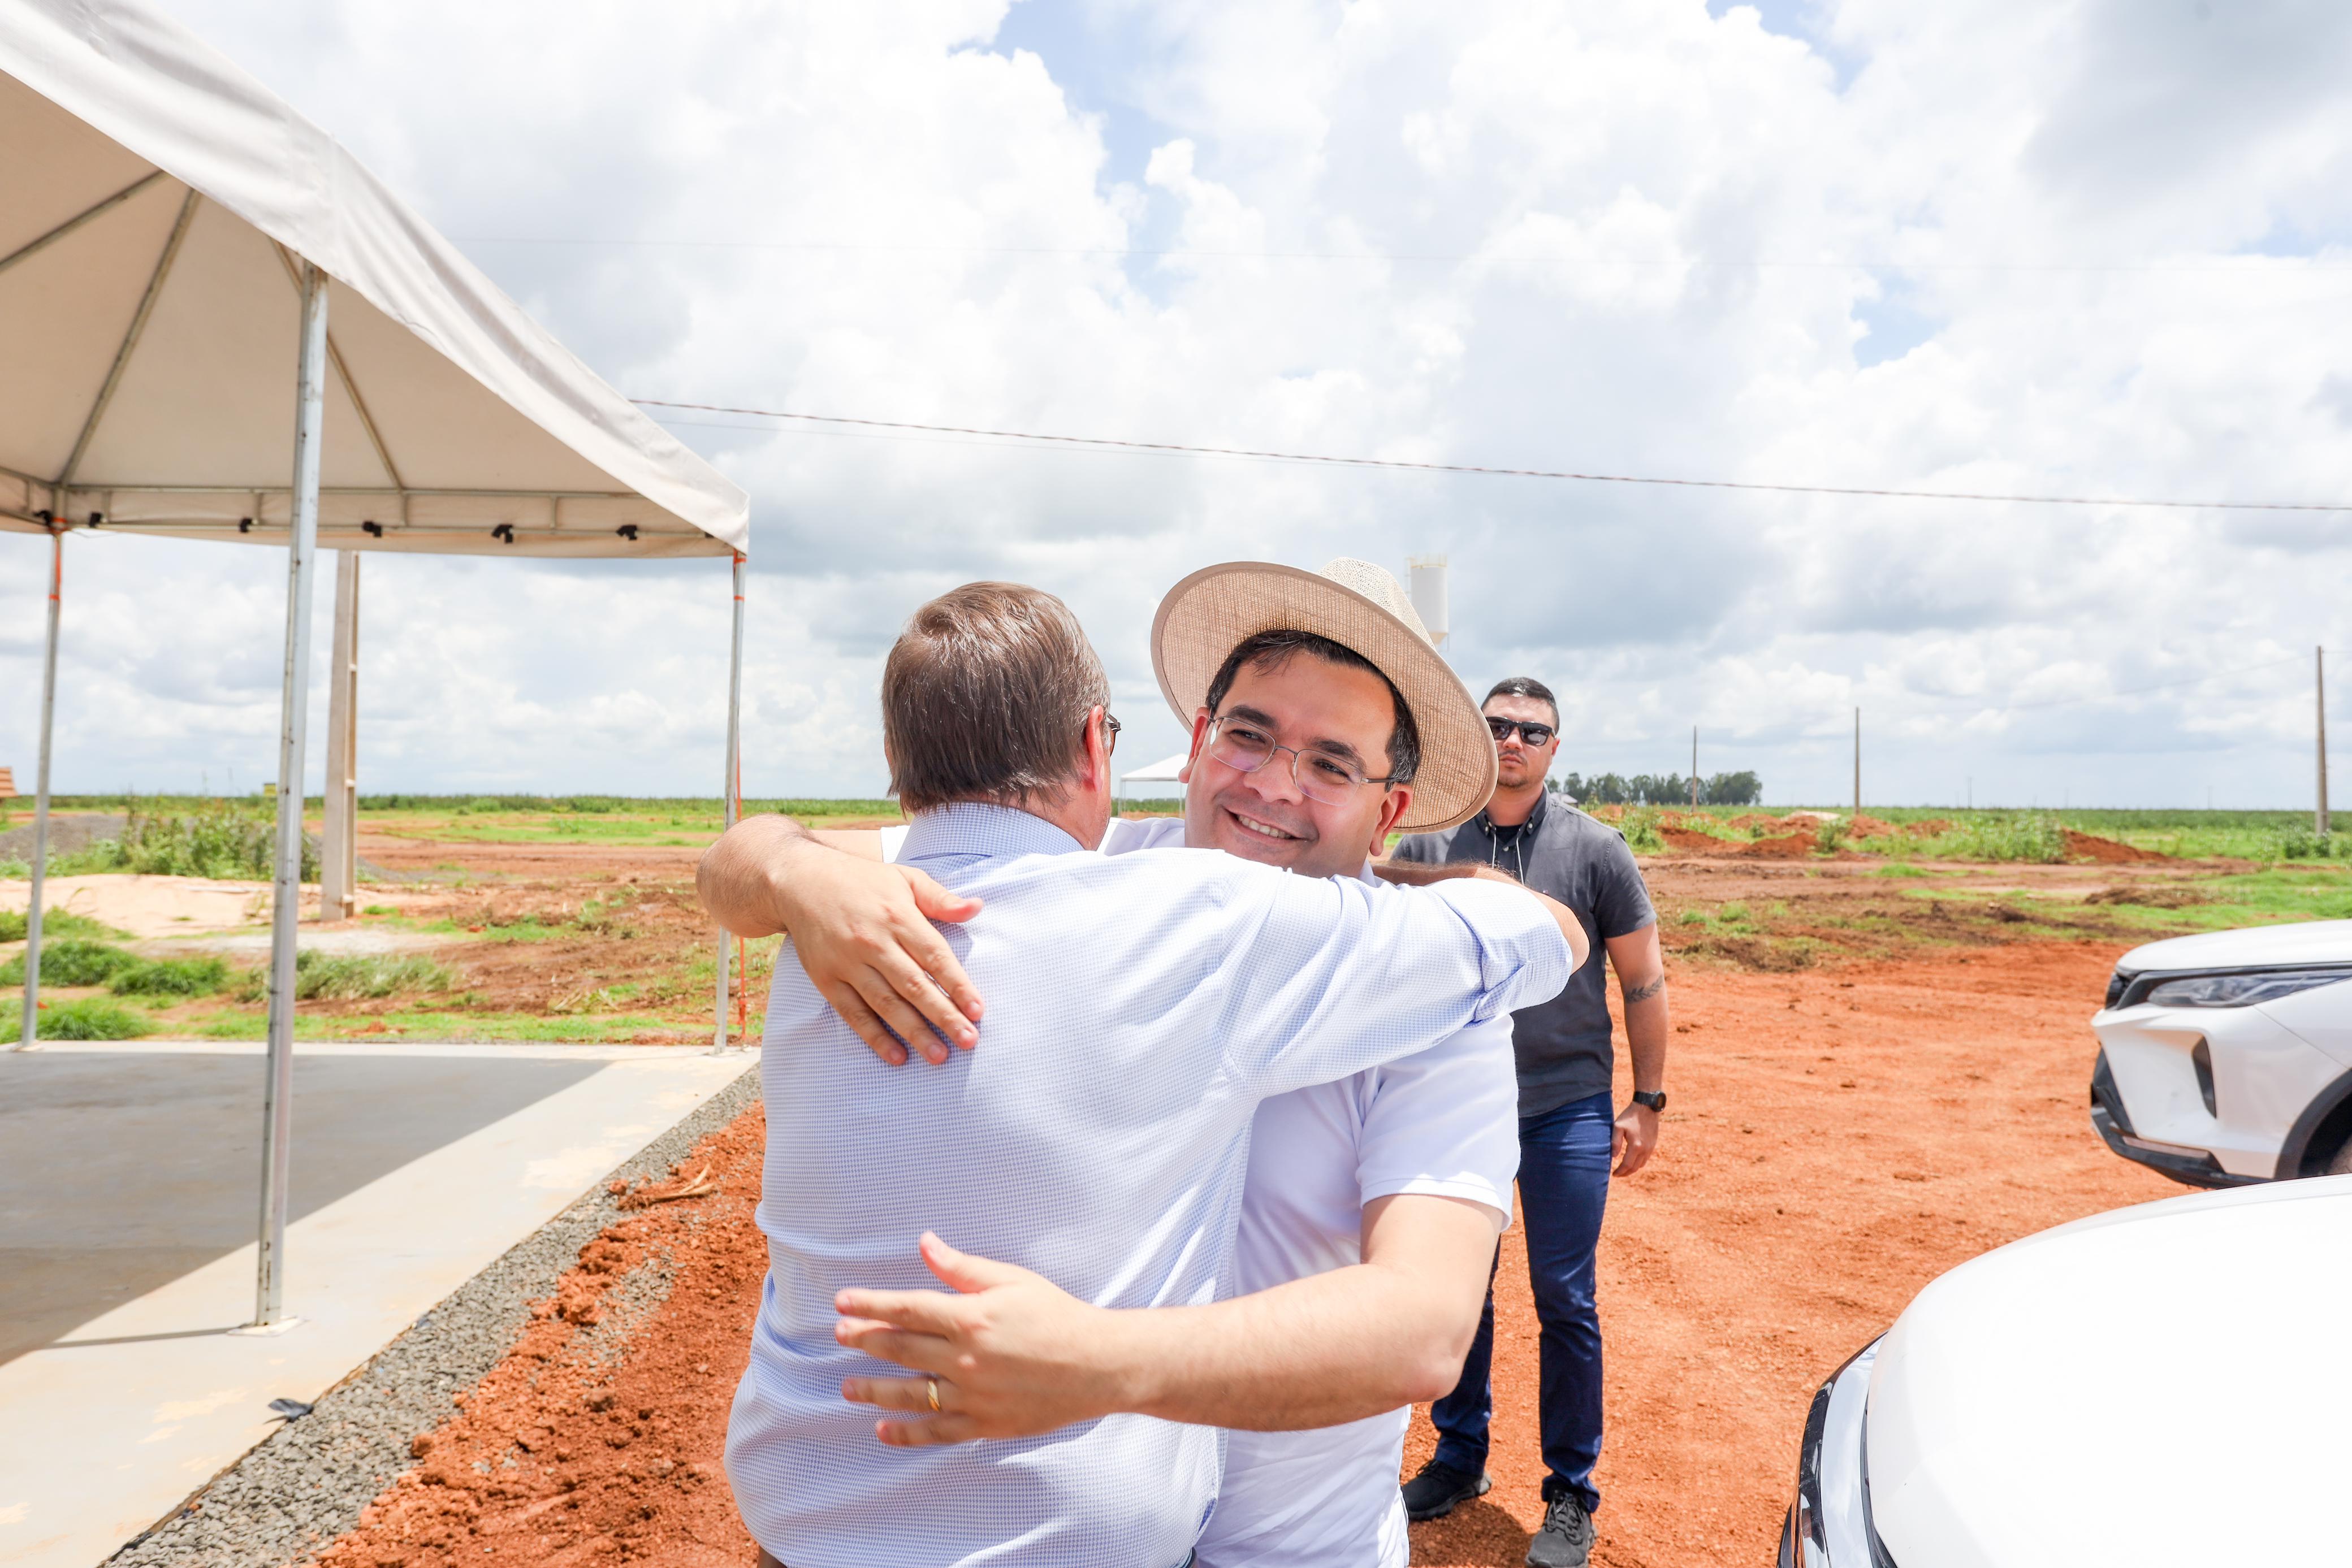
x=1570, y=1133
x=1564, y=1046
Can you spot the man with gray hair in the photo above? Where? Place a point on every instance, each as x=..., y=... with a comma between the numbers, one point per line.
x=1140, y=1007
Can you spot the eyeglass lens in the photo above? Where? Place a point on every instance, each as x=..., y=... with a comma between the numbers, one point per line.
x=1320, y=775
x=1533, y=734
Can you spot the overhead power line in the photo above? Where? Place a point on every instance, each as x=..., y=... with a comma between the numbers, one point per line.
x=1736, y=263
x=1108, y=443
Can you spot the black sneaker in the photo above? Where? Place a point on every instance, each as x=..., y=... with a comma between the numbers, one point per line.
x=1566, y=1538
x=1432, y=1493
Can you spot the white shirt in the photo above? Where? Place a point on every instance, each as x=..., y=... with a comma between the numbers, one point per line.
x=1443, y=1122
x=1140, y=1006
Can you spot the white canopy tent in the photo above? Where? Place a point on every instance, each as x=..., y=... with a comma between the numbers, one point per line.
x=1163, y=771
x=219, y=325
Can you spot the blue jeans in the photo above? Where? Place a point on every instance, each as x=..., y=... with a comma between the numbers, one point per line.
x=1564, y=1189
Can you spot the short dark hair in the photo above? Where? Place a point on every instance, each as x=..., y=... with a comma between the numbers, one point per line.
x=1268, y=651
x=984, y=696
x=1525, y=687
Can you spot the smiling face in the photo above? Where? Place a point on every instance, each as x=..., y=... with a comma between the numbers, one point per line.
x=1302, y=701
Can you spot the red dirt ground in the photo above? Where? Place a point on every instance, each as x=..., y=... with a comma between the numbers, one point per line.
x=1837, y=1138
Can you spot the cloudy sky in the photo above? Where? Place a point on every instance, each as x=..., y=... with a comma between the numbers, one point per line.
x=2015, y=245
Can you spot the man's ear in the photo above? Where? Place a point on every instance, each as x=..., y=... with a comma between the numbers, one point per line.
x=1098, y=754
x=1392, y=811
x=1199, y=739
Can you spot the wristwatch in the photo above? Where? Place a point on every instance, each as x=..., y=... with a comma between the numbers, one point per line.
x=1655, y=1098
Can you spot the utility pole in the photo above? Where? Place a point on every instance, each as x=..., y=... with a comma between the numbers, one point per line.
x=1694, y=771
x=1857, y=762
x=2319, y=692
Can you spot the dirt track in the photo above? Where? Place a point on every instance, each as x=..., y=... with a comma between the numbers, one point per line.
x=1837, y=1138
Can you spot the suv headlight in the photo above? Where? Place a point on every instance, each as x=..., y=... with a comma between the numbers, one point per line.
x=2238, y=991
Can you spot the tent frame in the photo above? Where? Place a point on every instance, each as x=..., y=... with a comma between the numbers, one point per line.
x=316, y=356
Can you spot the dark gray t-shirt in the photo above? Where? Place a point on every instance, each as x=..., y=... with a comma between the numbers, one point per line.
x=1563, y=1044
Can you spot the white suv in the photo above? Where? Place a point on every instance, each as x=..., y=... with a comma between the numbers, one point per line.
x=2226, y=1058
x=2162, y=1387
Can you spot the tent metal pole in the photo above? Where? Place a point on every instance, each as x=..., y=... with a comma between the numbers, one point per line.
x=32, y=998
x=276, y=1121
x=338, y=841
x=734, y=786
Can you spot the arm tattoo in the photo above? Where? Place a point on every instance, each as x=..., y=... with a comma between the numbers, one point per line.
x=1643, y=993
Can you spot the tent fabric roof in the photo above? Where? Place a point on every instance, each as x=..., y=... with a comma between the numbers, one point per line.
x=153, y=200
x=1158, y=772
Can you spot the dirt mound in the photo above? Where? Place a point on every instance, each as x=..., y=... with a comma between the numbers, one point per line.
x=1690, y=840
x=1755, y=820
x=1789, y=846
x=1933, y=826
x=2107, y=852
x=1867, y=827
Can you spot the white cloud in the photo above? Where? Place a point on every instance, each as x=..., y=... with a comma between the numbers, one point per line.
x=1994, y=245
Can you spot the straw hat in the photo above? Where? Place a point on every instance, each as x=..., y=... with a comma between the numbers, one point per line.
x=1358, y=606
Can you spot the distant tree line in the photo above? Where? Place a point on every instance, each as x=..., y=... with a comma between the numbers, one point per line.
x=1740, y=789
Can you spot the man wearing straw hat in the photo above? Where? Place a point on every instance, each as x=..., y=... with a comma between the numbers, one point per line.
x=1137, y=1001
x=1363, y=1198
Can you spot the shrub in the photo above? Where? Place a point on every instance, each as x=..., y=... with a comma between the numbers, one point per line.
x=2027, y=836
x=91, y=1017
x=169, y=977
x=56, y=926
x=1640, y=827
x=2300, y=844
x=351, y=977
x=217, y=838
x=70, y=963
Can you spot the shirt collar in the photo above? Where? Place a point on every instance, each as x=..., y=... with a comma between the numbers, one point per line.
x=972, y=828
x=1535, y=817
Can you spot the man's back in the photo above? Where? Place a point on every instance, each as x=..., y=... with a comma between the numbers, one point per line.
x=1139, y=1008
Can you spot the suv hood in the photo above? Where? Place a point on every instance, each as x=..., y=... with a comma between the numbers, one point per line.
x=2163, y=1383
x=2305, y=942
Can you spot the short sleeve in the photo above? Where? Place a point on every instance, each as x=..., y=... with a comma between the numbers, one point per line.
x=1444, y=1122
x=1324, y=978
x=1621, y=901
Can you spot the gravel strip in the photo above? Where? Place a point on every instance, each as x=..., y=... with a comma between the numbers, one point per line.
x=306, y=1485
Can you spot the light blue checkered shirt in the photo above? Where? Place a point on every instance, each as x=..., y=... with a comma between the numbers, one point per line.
x=1140, y=1007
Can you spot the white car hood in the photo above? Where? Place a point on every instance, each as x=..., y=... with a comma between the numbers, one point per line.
x=2305, y=942
x=2168, y=1383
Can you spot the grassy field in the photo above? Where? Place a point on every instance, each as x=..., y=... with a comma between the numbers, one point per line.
x=1930, y=832
x=593, y=955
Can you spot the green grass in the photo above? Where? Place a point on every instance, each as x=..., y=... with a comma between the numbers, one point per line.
x=73, y=962
x=169, y=977
x=521, y=1028
x=2292, y=892
x=56, y=926
x=91, y=1018
x=351, y=977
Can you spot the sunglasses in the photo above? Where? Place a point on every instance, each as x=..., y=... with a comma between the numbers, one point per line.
x=1533, y=734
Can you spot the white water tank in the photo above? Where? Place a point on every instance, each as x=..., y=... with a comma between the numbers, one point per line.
x=1427, y=574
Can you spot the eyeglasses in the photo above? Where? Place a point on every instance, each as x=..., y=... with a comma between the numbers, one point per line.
x=1321, y=775
x=1110, y=734
x=1533, y=734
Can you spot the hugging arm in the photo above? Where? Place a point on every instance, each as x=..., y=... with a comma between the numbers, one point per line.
x=861, y=928
x=1416, y=874
x=1010, y=1355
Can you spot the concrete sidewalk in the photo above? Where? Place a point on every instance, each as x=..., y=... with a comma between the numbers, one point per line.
x=126, y=1207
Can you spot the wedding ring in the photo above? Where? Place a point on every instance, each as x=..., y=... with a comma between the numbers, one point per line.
x=935, y=1393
